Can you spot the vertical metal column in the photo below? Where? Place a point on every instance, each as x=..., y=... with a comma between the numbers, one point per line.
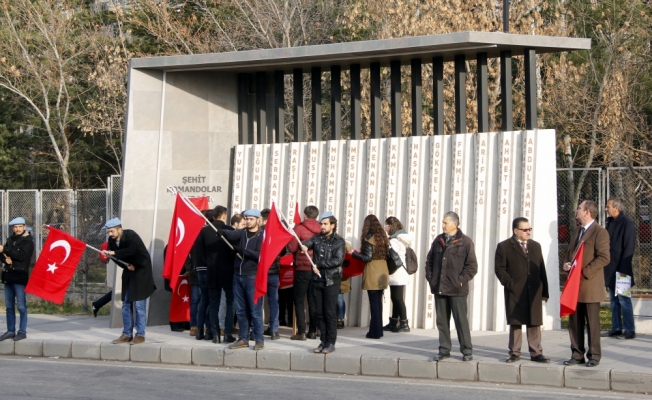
x=374, y=70
x=417, y=102
x=506, y=16
x=506, y=91
x=336, y=102
x=243, y=109
x=298, y=105
x=315, y=83
x=438, y=94
x=482, y=95
x=355, y=103
x=279, y=107
x=460, y=93
x=261, y=108
x=530, y=60
x=396, y=98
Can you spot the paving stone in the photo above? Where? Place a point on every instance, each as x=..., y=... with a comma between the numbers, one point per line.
x=57, y=348
x=270, y=359
x=379, y=366
x=115, y=352
x=542, y=374
x=208, y=355
x=176, y=354
x=307, y=361
x=239, y=358
x=491, y=371
x=586, y=378
x=7, y=347
x=421, y=369
x=88, y=350
x=337, y=363
x=631, y=381
x=457, y=370
x=146, y=352
x=29, y=347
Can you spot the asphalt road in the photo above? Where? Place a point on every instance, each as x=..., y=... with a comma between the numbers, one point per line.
x=38, y=378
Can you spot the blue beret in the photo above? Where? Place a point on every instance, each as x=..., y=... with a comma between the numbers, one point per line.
x=326, y=214
x=112, y=223
x=252, y=213
x=17, y=221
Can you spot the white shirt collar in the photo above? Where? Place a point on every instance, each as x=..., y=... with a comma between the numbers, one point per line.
x=587, y=226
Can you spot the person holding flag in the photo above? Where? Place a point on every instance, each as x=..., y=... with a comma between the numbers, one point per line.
x=137, y=278
x=591, y=288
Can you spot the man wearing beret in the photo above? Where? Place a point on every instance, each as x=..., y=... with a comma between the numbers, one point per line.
x=137, y=279
x=16, y=255
x=246, y=243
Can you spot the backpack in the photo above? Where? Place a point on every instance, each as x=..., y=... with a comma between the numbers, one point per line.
x=412, y=264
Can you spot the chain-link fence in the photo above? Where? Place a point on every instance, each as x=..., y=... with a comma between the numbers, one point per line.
x=115, y=194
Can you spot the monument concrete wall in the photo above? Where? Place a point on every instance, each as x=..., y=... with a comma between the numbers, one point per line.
x=487, y=178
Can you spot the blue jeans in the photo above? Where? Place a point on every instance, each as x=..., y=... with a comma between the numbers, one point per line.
x=243, y=291
x=621, y=306
x=273, y=281
x=341, y=306
x=15, y=293
x=140, y=307
x=203, y=317
x=195, y=296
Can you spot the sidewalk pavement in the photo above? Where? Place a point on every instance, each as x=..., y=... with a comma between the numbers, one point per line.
x=626, y=365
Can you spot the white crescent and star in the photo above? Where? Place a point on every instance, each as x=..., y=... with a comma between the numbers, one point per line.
x=183, y=282
x=66, y=246
x=181, y=230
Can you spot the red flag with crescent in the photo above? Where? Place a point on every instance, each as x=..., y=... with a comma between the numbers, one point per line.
x=571, y=292
x=186, y=224
x=286, y=272
x=180, y=302
x=200, y=202
x=55, y=266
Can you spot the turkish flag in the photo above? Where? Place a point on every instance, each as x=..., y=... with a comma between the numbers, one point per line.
x=180, y=303
x=286, y=272
x=186, y=224
x=55, y=266
x=297, y=216
x=355, y=267
x=200, y=202
x=571, y=292
x=275, y=238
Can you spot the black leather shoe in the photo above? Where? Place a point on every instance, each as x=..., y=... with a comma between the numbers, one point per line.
x=540, y=358
x=275, y=336
x=229, y=339
x=267, y=332
x=20, y=336
x=441, y=356
x=467, y=358
x=209, y=336
x=628, y=335
x=611, y=333
x=592, y=363
x=311, y=335
x=7, y=335
x=573, y=361
x=200, y=335
x=319, y=348
x=94, y=312
x=328, y=349
x=513, y=358
x=369, y=336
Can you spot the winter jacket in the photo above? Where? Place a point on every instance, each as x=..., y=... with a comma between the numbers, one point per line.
x=450, y=268
x=328, y=255
x=132, y=250
x=250, y=247
x=305, y=230
x=219, y=273
x=622, y=240
x=376, y=273
x=20, y=249
x=400, y=241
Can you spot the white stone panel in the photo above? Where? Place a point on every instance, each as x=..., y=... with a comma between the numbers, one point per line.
x=316, y=168
x=259, y=191
x=277, y=176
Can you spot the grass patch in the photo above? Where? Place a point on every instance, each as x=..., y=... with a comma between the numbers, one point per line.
x=605, y=319
x=67, y=308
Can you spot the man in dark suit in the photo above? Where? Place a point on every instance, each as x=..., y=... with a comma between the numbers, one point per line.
x=592, y=292
x=521, y=270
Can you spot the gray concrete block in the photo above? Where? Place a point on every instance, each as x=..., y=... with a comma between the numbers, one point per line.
x=307, y=361
x=29, y=347
x=7, y=347
x=491, y=371
x=88, y=350
x=421, y=369
x=379, y=366
x=586, y=378
x=239, y=358
x=542, y=374
x=343, y=364
x=457, y=370
x=270, y=359
x=631, y=381
x=208, y=355
x=146, y=352
x=176, y=354
x=115, y=352
x=57, y=348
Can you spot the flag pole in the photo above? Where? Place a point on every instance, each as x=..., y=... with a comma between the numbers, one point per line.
x=111, y=257
x=314, y=267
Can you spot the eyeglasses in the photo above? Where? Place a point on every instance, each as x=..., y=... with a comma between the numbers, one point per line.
x=525, y=230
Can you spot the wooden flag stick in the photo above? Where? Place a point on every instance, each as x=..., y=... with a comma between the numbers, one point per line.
x=111, y=257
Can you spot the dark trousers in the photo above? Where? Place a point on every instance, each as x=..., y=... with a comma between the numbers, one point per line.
x=397, y=293
x=444, y=307
x=285, y=306
x=376, y=311
x=102, y=301
x=325, y=301
x=587, y=315
x=303, y=287
x=215, y=296
x=533, y=339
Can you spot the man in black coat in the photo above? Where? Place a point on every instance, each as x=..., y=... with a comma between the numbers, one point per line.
x=137, y=279
x=622, y=240
x=521, y=270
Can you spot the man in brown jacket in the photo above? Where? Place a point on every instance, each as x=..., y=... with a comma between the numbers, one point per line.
x=450, y=265
x=520, y=268
x=592, y=291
